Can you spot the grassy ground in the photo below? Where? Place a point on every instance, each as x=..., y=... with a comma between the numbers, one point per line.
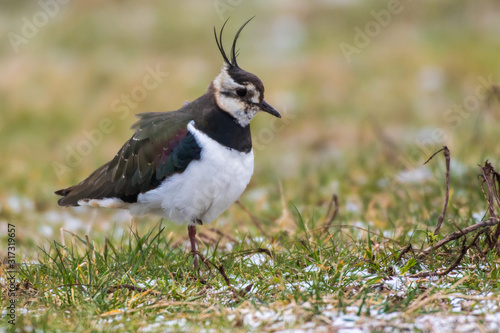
x=362, y=115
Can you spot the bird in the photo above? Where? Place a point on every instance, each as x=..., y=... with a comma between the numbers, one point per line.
x=189, y=165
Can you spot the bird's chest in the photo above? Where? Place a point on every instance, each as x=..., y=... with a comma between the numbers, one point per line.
x=218, y=179
x=208, y=186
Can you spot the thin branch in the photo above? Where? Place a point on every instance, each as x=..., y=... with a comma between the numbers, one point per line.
x=404, y=251
x=493, y=195
x=426, y=298
x=463, y=251
x=430, y=158
x=222, y=272
x=331, y=214
x=112, y=289
x=249, y=252
x=220, y=268
x=486, y=171
x=447, y=197
x=457, y=234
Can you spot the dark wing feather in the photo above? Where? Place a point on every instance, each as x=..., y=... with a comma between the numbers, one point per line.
x=160, y=147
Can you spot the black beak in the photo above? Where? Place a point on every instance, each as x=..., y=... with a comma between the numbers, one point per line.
x=268, y=108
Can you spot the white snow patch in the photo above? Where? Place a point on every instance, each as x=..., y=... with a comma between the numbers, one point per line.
x=416, y=175
x=478, y=216
x=351, y=206
x=257, y=259
x=19, y=204
x=311, y=269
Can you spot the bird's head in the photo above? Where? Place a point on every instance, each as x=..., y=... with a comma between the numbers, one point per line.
x=238, y=92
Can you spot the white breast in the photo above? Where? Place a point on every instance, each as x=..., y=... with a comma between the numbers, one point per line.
x=205, y=189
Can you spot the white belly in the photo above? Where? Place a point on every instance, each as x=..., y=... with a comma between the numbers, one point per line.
x=205, y=189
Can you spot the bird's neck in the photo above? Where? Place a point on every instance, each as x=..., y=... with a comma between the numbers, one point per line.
x=223, y=128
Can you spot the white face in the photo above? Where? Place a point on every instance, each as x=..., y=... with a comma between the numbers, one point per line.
x=239, y=100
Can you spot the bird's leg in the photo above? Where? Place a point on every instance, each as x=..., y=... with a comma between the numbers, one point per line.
x=192, y=238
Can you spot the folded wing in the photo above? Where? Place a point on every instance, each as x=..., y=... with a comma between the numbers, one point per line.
x=160, y=147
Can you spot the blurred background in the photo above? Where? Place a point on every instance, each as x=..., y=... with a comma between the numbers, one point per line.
x=368, y=89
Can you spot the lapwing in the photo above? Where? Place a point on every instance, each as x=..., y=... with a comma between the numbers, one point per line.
x=189, y=165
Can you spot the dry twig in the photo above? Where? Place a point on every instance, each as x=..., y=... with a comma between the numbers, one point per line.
x=443, y=212
x=404, y=251
x=249, y=252
x=112, y=289
x=457, y=234
x=426, y=298
x=487, y=173
x=331, y=214
x=492, y=180
x=463, y=251
x=221, y=270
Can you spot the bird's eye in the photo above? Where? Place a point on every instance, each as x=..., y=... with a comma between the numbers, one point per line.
x=241, y=92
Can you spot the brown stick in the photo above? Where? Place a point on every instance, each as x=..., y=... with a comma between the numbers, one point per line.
x=249, y=252
x=463, y=251
x=222, y=272
x=331, y=215
x=496, y=185
x=491, y=177
x=403, y=252
x=443, y=212
x=220, y=268
x=457, y=234
x=486, y=171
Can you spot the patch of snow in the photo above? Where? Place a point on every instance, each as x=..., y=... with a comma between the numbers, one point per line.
x=19, y=204
x=351, y=206
x=176, y=322
x=478, y=216
x=492, y=321
x=311, y=268
x=416, y=175
x=301, y=285
x=257, y=259
x=257, y=318
x=430, y=78
x=257, y=194
x=434, y=323
x=45, y=230
x=389, y=233
x=456, y=303
x=459, y=169
x=344, y=320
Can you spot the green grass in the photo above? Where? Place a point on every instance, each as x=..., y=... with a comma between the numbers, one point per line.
x=352, y=129
x=140, y=278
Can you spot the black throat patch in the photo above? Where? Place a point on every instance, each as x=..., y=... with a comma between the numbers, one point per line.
x=224, y=128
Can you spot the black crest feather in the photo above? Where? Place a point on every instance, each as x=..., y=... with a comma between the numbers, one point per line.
x=234, y=53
